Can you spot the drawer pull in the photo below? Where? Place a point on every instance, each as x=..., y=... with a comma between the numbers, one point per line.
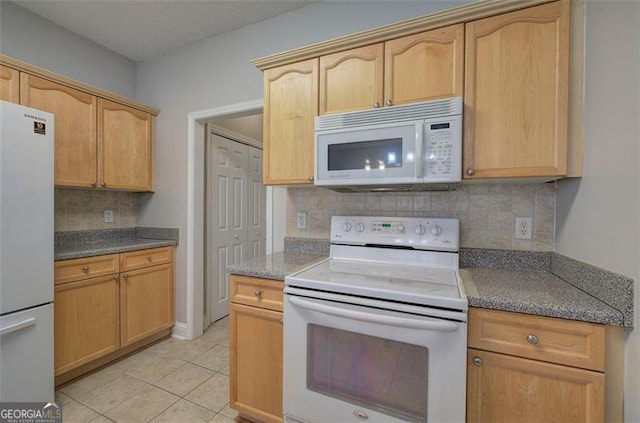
x=149, y=259
x=85, y=269
x=532, y=339
x=257, y=293
x=477, y=361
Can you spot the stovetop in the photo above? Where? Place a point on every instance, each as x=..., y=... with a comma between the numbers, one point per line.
x=388, y=259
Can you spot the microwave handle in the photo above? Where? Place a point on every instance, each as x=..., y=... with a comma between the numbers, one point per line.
x=374, y=318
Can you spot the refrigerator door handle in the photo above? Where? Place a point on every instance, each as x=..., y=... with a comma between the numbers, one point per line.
x=31, y=321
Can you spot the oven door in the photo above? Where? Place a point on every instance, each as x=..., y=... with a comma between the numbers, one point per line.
x=346, y=362
x=370, y=155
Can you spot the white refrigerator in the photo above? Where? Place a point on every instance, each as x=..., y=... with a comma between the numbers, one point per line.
x=26, y=254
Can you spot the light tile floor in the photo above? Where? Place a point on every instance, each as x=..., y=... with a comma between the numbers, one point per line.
x=172, y=381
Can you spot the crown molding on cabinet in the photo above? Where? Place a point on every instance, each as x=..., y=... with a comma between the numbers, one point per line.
x=51, y=76
x=446, y=17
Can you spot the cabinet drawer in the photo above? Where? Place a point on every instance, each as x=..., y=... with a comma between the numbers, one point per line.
x=265, y=293
x=145, y=258
x=573, y=343
x=84, y=268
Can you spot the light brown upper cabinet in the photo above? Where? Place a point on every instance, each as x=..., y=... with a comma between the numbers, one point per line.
x=424, y=66
x=75, y=128
x=98, y=142
x=290, y=107
x=414, y=68
x=352, y=80
x=125, y=145
x=9, y=84
x=516, y=93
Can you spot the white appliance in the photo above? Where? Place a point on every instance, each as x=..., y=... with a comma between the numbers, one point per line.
x=398, y=148
x=378, y=331
x=26, y=254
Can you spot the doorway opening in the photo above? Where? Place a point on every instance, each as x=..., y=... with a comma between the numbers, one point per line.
x=234, y=205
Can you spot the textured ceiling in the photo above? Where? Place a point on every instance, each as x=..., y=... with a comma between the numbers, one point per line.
x=142, y=29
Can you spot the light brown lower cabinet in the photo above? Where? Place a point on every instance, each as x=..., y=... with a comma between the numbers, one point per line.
x=255, y=341
x=523, y=368
x=108, y=306
x=146, y=302
x=86, y=321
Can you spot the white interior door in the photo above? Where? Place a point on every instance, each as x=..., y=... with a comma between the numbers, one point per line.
x=235, y=215
x=256, y=204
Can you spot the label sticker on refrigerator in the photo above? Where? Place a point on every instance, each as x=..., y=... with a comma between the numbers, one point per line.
x=39, y=128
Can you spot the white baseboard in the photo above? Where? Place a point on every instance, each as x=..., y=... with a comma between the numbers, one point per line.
x=179, y=331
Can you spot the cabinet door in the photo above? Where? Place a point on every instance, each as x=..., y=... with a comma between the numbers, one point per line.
x=75, y=128
x=424, y=66
x=290, y=107
x=86, y=321
x=146, y=302
x=255, y=340
x=352, y=80
x=125, y=142
x=502, y=388
x=9, y=84
x=516, y=93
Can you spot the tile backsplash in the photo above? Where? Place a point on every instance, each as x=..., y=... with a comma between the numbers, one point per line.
x=487, y=212
x=81, y=209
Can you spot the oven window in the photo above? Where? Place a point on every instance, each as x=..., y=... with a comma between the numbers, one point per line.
x=367, y=155
x=380, y=374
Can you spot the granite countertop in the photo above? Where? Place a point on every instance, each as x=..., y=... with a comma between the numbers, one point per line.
x=276, y=266
x=534, y=292
x=80, y=244
x=538, y=283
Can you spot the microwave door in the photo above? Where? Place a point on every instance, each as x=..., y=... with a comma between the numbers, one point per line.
x=385, y=154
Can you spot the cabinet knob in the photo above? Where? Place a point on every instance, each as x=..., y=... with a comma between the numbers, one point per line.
x=126, y=275
x=310, y=178
x=85, y=269
x=376, y=105
x=149, y=259
x=93, y=184
x=471, y=172
x=532, y=339
x=477, y=361
x=257, y=293
x=116, y=278
x=103, y=184
x=388, y=102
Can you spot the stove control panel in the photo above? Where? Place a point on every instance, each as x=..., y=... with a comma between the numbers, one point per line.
x=439, y=234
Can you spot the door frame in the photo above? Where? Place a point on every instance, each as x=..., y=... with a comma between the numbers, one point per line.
x=196, y=135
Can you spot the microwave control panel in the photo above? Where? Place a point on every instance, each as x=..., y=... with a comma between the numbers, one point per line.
x=443, y=150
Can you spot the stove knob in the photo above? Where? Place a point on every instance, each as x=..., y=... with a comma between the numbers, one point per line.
x=400, y=227
x=359, y=226
x=346, y=227
x=420, y=229
x=435, y=230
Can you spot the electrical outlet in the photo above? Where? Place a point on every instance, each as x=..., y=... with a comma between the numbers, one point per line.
x=108, y=216
x=301, y=220
x=523, y=227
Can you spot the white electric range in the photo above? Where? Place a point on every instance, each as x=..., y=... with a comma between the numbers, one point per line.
x=378, y=332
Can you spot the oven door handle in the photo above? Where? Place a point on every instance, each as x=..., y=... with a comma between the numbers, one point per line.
x=402, y=322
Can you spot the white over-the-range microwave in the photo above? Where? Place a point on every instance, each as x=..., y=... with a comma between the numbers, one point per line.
x=397, y=148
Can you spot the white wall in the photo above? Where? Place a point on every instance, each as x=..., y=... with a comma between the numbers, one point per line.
x=598, y=217
x=32, y=39
x=217, y=72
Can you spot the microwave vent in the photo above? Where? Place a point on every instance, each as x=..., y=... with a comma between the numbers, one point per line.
x=391, y=114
